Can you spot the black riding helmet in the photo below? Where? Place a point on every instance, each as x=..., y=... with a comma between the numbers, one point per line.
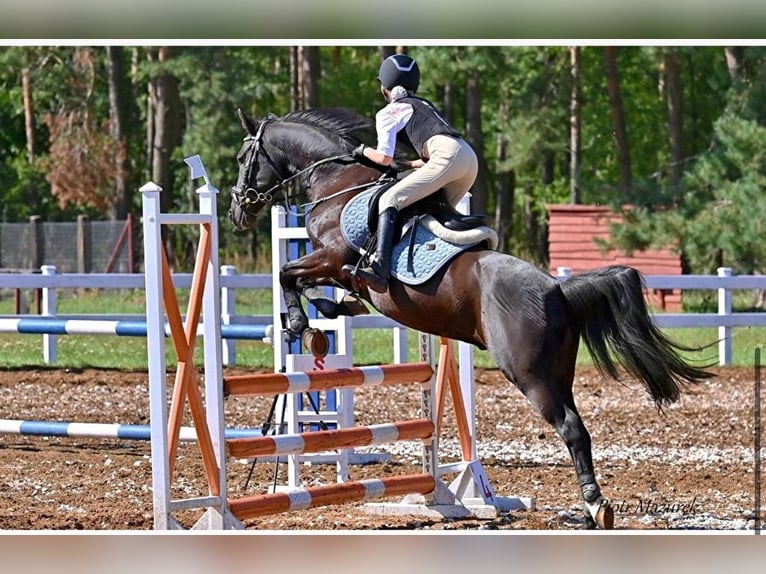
x=399, y=70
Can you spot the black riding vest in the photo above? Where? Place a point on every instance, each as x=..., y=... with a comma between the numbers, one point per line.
x=424, y=124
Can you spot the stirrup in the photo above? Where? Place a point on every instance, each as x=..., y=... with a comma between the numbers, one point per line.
x=373, y=280
x=359, y=275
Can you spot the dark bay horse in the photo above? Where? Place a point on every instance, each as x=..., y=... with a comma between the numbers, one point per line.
x=529, y=322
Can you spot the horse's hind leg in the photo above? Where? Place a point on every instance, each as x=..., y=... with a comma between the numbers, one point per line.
x=530, y=339
x=557, y=407
x=572, y=431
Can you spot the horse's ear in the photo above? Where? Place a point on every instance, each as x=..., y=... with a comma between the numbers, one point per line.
x=247, y=122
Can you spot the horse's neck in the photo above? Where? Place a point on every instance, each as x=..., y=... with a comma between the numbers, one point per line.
x=304, y=146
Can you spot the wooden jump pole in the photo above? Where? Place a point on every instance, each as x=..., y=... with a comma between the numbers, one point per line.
x=279, y=383
x=318, y=441
x=301, y=499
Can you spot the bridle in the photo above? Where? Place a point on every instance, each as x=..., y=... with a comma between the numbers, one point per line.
x=250, y=196
x=252, y=200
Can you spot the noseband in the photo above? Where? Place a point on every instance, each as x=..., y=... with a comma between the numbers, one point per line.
x=250, y=196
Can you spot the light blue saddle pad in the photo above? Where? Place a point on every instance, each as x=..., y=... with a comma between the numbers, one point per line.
x=429, y=253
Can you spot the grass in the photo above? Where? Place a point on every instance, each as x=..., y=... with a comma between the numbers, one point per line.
x=371, y=346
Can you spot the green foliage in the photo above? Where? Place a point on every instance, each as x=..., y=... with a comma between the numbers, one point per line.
x=525, y=94
x=733, y=176
x=719, y=219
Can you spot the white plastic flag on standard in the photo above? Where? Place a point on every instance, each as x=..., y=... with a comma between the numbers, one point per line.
x=197, y=169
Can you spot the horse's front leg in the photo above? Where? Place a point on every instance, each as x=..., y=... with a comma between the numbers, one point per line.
x=292, y=277
x=297, y=320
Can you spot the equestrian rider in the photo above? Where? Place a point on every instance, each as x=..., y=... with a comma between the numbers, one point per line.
x=446, y=161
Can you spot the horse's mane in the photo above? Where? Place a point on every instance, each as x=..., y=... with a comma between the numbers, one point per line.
x=352, y=127
x=345, y=126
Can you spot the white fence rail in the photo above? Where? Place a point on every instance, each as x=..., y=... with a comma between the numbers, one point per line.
x=724, y=283
x=49, y=282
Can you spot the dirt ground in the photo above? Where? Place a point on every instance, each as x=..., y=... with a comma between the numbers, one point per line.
x=690, y=467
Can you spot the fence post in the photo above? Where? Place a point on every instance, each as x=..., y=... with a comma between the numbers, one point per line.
x=227, y=312
x=400, y=345
x=724, y=309
x=35, y=253
x=84, y=259
x=36, y=244
x=50, y=351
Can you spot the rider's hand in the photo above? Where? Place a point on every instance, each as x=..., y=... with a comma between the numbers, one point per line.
x=358, y=152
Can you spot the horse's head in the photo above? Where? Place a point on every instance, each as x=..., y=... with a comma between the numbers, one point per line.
x=277, y=151
x=258, y=178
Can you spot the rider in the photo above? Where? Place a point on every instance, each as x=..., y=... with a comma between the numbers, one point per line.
x=445, y=161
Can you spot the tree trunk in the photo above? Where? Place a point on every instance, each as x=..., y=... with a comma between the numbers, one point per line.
x=504, y=209
x=675, y=116
x=475, y=137
x=386, y=51
x=166, y=130
x=618, y=122
x=29, y=115
x=575, y=151
x=448, y=102
x=531, y=221
x=149, y=136
x=166, y=105
x=734, y=57
x=504, y=189
x=117, y=116
x=547, y=172
x=336, y=54
x=295, y=83
x=311, y=69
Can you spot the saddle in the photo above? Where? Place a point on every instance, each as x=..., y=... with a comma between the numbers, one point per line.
x=421, y=249
x=434, y=205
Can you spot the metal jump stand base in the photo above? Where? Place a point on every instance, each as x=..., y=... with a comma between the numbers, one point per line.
x=463, y=498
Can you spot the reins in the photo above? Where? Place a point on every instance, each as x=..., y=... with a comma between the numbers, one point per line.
x=344, y=191
x=270, y=195
x=281, y=185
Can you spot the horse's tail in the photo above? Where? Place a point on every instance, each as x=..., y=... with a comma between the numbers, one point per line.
x=608, y=307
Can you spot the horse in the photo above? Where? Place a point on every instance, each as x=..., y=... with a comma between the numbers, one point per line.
x=530, y=323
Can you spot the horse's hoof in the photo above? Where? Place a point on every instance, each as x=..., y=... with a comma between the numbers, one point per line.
x=605, y=516
x=316, y=342
x=290, y=336
x=588, y=523
x=602, y=513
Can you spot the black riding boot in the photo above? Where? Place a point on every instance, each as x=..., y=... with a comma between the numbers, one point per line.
x=376, y=274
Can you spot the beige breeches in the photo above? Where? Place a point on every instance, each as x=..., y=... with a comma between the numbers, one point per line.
x=452, y=164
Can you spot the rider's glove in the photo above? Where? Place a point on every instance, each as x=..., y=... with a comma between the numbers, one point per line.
x=358, y=152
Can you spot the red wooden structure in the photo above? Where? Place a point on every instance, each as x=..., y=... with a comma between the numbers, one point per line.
x=572, y=231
